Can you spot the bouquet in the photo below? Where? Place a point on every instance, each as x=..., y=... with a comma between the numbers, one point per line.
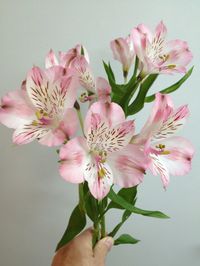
x=102, y=151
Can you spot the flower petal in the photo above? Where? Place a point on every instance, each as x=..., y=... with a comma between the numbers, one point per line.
x=161, y=110
x=157, y=167
x=29, y=132
x=73, y=159
x=174, y=121
x=16, y=109
x=54, y=137
x=51, y=59
x=141, y=37
x=160, y=31
x=83, y=72
x=175, y=159
x=101, y=137
x=48, y=90
x=123, y=52
x=128, y=165
x=99, y=185
x=111, y=113
x=67, y=58
x=69, y=124
x=103, y=90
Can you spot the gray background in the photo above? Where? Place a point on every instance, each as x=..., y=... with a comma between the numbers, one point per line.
x=35, y=202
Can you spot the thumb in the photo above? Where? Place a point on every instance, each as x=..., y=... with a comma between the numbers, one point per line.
x=103, y=247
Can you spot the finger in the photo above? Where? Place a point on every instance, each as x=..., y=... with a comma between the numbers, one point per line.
x=103, y=247
x=85, y=236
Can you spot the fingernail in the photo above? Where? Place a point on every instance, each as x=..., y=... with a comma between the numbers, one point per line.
x=109, y=242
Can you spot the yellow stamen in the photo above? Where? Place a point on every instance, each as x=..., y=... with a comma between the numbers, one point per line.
x=34, y=123
x=171, y=66
x=165, y=152
x=39, y=114
x=101, y=172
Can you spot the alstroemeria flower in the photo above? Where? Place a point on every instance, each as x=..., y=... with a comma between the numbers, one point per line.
x=123, y=51
x=79, y=67
x=42, y=109
x=104, y=156
x=65, y=58
x=168, y=154
x=158, y=55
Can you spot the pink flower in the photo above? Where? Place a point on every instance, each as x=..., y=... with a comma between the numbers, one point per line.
x=104, y=156
x=42, y=109
x=168, y=154
x=79, y=67
x=123, y=52
x=158, y=55
x=65, y=58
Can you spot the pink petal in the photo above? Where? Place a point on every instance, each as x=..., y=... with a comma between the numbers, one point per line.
x=73, y=158
x=160, y=31
x=51, y=59
x=83, y=72
x=174, y=121
x=49, y=89
x=54, y=137
x=141, y=37
x=157, y=167
x=103, y=89
x=112, y=113
x=175, y=159
x=178, y=161
x=29, y=132
x=122, y=52
x=69, y=124
x=128, y=165
x=67, y=58
x=103, y=138
x=161, y=109
x=99, y=186
x=180, y=53
x=15, y=109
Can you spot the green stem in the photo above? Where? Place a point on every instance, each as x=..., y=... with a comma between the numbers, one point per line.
x=136, y=66
x=77, y=107
x=103, y=227
x=102, y=219
x=96, y=233
x=81, y=197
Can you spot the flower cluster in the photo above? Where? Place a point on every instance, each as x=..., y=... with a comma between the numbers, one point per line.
x=47, y=107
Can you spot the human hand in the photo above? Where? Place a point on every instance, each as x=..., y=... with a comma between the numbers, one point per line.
x=79, y=251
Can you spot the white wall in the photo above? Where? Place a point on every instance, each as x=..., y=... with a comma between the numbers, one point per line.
x=35, y=202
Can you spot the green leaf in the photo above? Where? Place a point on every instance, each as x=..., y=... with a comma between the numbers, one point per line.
x=90, y=204
x=125, y=239
x=138, y=103
x=125, y=216
x=76, y=224
x=110, y=74
x=171, y=88
x=129, y=194
x=136, y=66
x=121, y=93
x=129, y=207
